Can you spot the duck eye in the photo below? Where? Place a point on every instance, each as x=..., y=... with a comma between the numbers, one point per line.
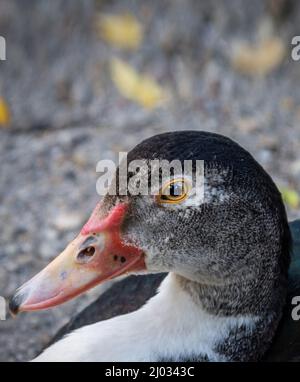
x=173, y=192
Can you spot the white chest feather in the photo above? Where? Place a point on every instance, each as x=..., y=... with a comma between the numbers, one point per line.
x=170, y=326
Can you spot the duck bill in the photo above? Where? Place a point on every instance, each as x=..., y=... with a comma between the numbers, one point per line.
x=90, y=259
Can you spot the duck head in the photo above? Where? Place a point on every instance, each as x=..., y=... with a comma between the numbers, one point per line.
x=237, y=230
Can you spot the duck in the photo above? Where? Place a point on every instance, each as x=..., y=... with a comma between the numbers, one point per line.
x=201, y=278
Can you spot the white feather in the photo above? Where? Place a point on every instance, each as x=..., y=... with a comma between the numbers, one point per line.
x=170, y=326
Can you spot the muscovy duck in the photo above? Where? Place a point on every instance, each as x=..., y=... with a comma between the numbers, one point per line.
x=226, y=257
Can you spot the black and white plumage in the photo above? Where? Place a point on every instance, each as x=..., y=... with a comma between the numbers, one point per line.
x=227, y=260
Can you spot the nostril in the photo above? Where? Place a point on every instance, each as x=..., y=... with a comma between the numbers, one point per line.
x=86, y=254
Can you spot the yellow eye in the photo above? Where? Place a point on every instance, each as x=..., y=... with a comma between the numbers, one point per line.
x=173, y=192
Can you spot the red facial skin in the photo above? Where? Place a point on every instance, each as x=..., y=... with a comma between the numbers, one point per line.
x=83, y=264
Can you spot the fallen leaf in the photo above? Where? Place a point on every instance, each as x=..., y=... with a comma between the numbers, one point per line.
x=123, y=31
x=134, y=86
x=4, y=113
x=290, y=197
x=248, y=124
x=295, y=167
x=258, y=59
x=269, y=142
x=67, y=221
x=287, y=103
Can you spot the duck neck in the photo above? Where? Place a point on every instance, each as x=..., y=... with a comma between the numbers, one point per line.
x=250, y=308
x=187, y=330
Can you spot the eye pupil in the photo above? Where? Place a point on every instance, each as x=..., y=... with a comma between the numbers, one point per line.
x=176, y=189
x=173, y=192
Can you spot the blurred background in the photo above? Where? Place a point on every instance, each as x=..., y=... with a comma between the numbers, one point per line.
x=83, y=80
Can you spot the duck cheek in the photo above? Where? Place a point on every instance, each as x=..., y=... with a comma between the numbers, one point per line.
x=154, y=263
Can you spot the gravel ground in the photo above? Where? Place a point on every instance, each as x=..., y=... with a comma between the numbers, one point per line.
x=67, y=115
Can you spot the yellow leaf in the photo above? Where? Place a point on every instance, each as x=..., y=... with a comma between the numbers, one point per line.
x=134, y=86
x=259, y=59
x=123, y=31
x=4, y=113
x=290, y=197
